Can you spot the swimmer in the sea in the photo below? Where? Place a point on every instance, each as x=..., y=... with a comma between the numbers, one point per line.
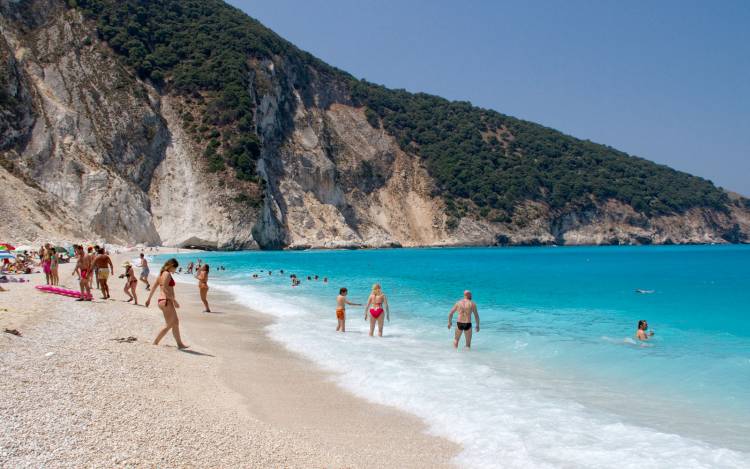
x=378, y=300
x=341, y=303
x=465, y=307
x=641, y=333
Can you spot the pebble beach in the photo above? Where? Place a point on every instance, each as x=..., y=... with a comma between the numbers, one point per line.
x=83, y=386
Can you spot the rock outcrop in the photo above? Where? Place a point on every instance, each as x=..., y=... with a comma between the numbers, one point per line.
x=89, y=150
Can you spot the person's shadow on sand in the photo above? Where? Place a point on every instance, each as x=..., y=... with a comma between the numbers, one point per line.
x=195, y=352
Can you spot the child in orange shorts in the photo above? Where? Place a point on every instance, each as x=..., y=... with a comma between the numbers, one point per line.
x=341, y=303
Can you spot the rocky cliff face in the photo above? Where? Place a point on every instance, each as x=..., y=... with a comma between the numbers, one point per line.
x=88, y=150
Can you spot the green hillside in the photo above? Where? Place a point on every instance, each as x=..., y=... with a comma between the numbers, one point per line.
x=484, y=162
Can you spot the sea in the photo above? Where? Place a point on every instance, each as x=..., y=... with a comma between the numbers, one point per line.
x=554, y=377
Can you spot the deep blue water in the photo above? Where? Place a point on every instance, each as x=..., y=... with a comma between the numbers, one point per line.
x=554, y=376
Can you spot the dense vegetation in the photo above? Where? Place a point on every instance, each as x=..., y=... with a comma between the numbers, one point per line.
x=484, y=162
x=202, y=49
x=497, y=161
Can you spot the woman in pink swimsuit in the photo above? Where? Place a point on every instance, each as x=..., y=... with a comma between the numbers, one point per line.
x=168, y=303
x=377, y=300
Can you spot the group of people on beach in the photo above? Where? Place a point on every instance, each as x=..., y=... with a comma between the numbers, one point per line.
x=94, y=266
x=377, y=304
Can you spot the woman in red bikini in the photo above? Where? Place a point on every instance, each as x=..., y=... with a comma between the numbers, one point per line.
x=168, y=303
x=131, y=281
x=377, y=300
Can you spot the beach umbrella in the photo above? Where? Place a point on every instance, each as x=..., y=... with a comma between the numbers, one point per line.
x=23, y=248
x=60, y=249
x=6, y=255
x=6, y=247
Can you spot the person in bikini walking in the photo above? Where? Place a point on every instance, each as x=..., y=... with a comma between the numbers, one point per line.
x=465, y=307
x=168, y=303
x=131, y=281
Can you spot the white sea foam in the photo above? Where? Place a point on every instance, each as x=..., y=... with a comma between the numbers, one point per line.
x=501, y=421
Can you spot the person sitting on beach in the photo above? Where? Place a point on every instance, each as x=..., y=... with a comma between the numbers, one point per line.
x=641, y=333
x=145, y=272
x=131, y=281
x=168, y=303
x=341, y=303
x=377, y=299
x=102, y=266
x=83, y=269
x=202, y=277
x=465, y=307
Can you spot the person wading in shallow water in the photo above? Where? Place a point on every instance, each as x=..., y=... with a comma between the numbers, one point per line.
x=641, y=333
x=378, y=300
x=465, y=307
x=168, y=303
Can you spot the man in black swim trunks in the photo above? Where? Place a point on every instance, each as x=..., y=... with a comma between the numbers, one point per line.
x=465, y=307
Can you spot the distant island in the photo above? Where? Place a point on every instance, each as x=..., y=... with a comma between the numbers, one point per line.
x=188, y=123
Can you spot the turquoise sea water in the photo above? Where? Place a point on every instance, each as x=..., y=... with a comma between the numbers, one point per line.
x=554, y=377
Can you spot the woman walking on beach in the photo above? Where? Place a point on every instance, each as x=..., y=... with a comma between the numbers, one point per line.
x=131, y=282
x=168, y=303
x=378, y=300
x=202, y=277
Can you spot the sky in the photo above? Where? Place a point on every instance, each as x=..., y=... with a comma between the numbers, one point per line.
x=668, y=81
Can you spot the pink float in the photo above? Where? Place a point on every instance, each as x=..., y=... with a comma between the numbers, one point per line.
x=60, y=291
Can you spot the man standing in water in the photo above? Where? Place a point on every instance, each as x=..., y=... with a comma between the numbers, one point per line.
x=641, y=333
x=102, y=267
x=465, y=307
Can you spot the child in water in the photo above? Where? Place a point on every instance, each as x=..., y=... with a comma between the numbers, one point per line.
x=341, y=303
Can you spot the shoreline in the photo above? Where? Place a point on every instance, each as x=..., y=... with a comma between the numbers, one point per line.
x=325, y=412
x=234, y=374
x=449, y=246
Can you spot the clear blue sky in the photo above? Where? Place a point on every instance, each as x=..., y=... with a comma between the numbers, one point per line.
x=665, y=80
